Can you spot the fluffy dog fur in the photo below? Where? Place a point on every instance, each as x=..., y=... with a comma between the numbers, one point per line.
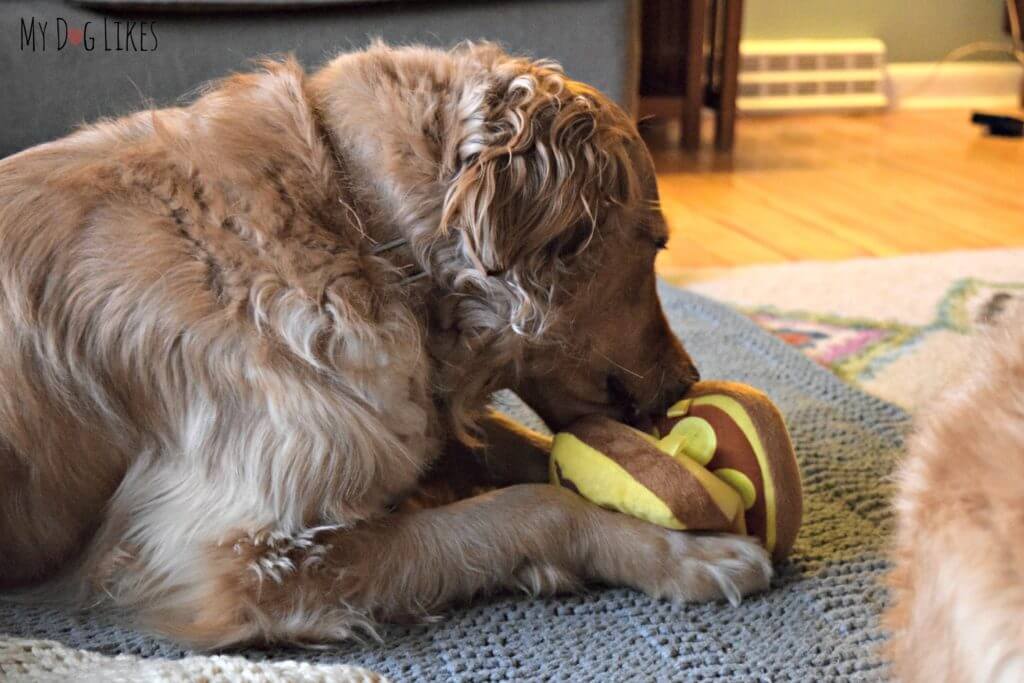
x=216, y=401
x=958, y=584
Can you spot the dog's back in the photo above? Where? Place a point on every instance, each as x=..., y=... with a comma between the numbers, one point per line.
x=959, y=577
x=53, y=483
x=99, y=275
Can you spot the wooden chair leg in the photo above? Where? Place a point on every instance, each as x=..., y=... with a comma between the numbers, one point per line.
x=1016, y=32
x=729, y=61
x=693, y=91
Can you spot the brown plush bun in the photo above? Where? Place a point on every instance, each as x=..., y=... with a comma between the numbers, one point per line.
x=766, y=458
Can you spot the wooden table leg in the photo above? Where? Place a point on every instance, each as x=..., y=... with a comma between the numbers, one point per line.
x=729, y=63
x=693, y=88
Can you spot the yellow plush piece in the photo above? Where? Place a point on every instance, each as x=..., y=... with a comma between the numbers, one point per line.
x=720, y=460
x=607, y=483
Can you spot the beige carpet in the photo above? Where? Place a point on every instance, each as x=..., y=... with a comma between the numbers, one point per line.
x=899, y=328
x=46, y=660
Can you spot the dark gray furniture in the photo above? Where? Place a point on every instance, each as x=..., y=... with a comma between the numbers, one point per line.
x=45, y=93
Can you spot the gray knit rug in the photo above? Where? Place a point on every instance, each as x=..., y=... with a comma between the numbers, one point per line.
x=819, y=622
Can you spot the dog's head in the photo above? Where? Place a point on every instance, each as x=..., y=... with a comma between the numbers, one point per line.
x=554, y=204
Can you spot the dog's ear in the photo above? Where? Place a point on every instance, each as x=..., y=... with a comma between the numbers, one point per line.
x=536, y=161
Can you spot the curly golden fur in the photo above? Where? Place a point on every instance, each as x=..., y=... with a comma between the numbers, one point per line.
x=958, y=582
x=218, y=398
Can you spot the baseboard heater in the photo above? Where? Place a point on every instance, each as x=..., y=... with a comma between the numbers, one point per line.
x=789, y=76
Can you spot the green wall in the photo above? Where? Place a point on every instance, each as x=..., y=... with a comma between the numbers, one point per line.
x=913, y=30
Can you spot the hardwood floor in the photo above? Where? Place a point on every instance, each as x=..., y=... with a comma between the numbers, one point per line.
x=837, y=187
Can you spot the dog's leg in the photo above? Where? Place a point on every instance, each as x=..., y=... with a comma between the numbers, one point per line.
x=326, y=582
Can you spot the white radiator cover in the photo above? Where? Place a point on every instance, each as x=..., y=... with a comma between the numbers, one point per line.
x=780, y=76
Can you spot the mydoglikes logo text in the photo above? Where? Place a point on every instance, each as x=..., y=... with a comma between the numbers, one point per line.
x=112, y=35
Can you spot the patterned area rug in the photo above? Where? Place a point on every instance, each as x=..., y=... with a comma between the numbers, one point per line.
x=899, y=328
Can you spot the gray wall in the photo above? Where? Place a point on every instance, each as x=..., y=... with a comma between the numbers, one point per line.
x=43, y=95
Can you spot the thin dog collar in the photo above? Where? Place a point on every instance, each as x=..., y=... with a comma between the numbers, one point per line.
x=390, y=245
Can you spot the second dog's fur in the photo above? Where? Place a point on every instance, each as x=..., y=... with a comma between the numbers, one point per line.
x=221, y=377
x=958, y=612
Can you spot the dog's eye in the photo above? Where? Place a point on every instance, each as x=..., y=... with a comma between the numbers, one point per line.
x=661, y=243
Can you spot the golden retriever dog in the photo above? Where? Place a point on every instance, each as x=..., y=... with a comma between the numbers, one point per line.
x=235, y=336
x=958, y=582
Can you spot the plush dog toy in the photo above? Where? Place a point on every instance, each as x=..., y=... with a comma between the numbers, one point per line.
x=720, y=460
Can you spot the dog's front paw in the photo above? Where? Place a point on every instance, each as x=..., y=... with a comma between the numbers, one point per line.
x=698, y=568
